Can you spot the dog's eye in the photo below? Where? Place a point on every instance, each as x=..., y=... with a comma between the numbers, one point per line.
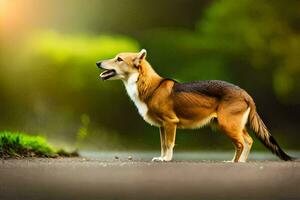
x=119, y=59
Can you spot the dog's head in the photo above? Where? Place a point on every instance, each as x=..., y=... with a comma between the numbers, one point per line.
x=122, y=66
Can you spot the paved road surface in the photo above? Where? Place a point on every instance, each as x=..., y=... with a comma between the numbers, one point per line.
x=96, y=178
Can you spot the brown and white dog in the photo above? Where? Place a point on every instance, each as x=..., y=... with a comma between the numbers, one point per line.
x=169, y=105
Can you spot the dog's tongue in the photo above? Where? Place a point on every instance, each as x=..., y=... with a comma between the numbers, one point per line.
x=107, y=73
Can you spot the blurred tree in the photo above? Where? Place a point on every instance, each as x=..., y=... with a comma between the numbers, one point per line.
x=262, y=34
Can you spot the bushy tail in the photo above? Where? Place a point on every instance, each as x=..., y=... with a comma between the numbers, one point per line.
x=263, y=134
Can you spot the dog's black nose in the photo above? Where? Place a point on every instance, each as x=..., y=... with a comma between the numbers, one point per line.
x=98, y=64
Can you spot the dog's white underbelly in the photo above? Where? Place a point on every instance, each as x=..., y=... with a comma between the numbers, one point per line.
x=204, y=121
x=199, y=124
x=132, y=90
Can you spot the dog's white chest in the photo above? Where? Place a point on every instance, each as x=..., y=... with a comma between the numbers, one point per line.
x=132, y=90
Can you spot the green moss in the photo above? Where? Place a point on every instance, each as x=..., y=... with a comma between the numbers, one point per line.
x=19, y=144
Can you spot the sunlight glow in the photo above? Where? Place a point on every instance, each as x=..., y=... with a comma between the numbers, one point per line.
x=11, y=15
x=3, y=4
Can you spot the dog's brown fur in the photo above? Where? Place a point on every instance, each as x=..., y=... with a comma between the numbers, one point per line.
x=171, y=105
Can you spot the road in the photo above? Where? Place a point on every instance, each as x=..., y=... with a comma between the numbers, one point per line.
x=111, y=178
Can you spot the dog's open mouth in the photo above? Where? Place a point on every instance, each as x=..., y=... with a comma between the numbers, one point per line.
x=108, y=74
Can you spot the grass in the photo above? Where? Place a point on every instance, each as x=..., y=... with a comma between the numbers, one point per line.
x=19, y=145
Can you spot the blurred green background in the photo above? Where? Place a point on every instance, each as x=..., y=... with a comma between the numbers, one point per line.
x=49, y=83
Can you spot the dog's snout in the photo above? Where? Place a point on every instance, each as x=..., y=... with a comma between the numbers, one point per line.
x=98, y=64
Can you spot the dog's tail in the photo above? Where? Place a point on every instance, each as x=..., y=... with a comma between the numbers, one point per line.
x=263, y=134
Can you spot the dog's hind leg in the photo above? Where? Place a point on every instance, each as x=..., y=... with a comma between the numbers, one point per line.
x=239, y=144
x=231, y=118
x=249, y=142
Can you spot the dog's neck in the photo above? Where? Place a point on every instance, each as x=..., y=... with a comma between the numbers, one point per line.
x=148, y=81
x=145, y=82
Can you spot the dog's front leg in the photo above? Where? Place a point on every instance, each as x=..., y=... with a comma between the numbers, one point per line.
x=163, y=145
x=170, y=130
x=168, y=134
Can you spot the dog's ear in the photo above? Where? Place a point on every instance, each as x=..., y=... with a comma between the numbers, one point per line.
x=142, y=54
x=140, y=57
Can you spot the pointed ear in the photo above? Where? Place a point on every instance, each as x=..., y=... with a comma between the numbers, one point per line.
x=142, y=54
x=140, y=57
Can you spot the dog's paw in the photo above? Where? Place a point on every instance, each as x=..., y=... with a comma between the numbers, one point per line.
x=158, y=159
x=161, y=159
x=167, y=159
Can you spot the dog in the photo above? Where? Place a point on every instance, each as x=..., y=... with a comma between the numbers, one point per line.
x=168, y=104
